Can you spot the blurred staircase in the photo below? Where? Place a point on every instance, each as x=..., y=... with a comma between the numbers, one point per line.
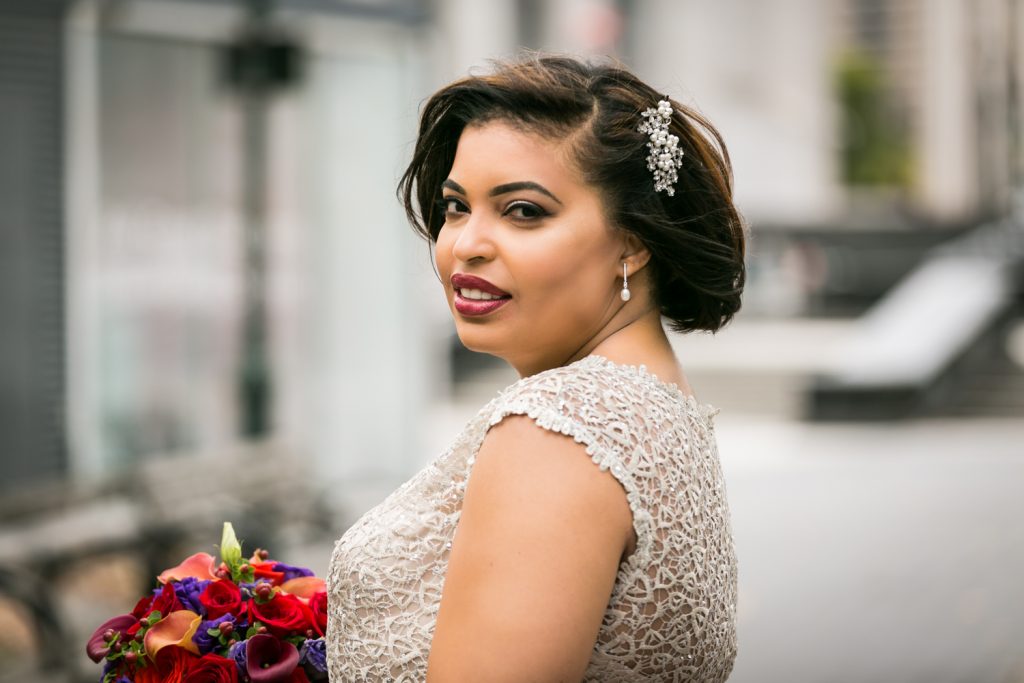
x=937, y=342
x=996, y=392
x=992, y=384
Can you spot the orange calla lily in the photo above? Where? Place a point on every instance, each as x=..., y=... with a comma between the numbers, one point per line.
x=304, y=587
x=177, y=628
x=199, y=565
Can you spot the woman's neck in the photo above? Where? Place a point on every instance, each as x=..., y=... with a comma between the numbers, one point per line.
x=638, y=341
x=643, y=342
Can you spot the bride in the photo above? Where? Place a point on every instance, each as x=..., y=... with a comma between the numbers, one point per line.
x=577, y=528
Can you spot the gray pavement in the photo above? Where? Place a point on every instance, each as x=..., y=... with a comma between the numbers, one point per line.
x=878, y=552
x=886, y=552
x=868, y=552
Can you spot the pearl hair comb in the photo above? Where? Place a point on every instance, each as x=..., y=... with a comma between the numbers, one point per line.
x=665, y=156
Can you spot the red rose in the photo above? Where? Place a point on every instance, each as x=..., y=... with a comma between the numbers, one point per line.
x=134, y=628
x=283, y=615
x=146, y=674
x=220, y=598
x=165, y=603
x=318, y=607
x=172, y=665
x=142, y=607
x=211, y=668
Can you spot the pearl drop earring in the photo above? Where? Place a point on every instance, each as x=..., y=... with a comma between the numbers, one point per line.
x=625, y=284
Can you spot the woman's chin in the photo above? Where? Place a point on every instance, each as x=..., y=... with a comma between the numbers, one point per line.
x=475, y=344
x=479, y=341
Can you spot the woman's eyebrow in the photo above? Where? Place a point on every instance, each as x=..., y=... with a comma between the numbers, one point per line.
x=452, y=185
x=523, y=185
x=504, y=189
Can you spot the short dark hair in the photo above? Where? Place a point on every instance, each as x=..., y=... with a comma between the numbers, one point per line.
x=696, y=237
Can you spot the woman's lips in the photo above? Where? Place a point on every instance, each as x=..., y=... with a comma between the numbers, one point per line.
x=477, y=306
x=474, y=307
x=464, y=281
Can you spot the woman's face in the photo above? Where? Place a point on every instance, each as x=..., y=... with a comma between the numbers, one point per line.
x=531, y=269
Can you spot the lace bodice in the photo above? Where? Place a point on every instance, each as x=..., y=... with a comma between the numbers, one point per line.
x=671, y=614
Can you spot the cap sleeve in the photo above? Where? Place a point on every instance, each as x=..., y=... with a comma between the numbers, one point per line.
x=589, y=407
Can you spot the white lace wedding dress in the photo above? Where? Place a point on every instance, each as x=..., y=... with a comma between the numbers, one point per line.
x=671, y=614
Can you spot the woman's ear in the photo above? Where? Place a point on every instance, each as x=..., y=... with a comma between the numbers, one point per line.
x=634, y=253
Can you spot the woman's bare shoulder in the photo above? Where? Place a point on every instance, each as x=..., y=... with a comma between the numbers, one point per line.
x=533, y=561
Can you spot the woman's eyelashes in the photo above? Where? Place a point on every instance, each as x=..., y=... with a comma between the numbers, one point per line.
x=523, y=210
x=520, y=209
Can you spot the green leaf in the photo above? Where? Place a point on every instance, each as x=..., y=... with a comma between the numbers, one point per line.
x=240, y=576
x=230, y=548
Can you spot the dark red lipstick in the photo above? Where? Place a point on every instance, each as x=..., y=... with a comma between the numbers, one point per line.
x=475, y=307
x=463, y=281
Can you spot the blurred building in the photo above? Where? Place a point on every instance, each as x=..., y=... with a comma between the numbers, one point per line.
x=156, y=209
x=202, y=261
x=947, y=77
x=133, y=338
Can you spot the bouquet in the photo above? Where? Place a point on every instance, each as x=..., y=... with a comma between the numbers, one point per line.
x=220, y=622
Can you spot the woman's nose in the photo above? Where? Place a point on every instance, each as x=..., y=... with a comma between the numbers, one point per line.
x=475, y=240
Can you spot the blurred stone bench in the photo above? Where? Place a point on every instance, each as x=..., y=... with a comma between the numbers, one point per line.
x=158, y=511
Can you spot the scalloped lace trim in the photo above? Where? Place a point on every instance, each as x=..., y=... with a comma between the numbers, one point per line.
x=706, y=409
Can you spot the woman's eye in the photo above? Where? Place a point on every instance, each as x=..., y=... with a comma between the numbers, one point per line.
x=452, y=205
x=525, y=210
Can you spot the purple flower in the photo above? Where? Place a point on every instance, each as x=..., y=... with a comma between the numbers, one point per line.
x=202, y=638
x=291, y=572
x=108, y=669
x=237, y=653
x=188, y=590
x=313, y=656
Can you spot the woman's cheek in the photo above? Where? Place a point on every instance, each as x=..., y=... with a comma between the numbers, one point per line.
x=442, y=258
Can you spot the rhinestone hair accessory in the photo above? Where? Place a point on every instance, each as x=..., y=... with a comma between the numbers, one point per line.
x=665, y=156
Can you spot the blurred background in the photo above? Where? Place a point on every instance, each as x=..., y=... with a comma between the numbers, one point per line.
x=211, y=307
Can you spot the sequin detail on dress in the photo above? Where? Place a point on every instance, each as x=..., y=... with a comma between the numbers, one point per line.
x=671, y=615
